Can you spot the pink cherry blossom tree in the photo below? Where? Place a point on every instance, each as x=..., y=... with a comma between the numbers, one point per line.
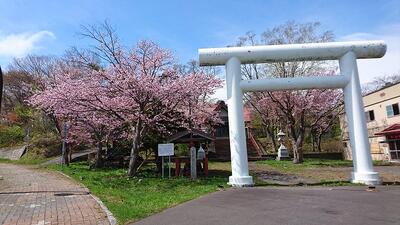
x=148, y=92
x=76, y=96
x=139, y=88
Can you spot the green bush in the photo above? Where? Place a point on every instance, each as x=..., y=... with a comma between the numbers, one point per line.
x=11, y=136
x=24, y=113
x=31, y=158
x=46, y=146
x=182, y=150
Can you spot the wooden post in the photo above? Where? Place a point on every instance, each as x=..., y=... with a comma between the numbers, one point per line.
x=193, y=163
x=205, y=162
x=177, y=167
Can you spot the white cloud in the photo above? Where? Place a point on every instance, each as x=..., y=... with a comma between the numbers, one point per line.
x=18, y=45
x=220, y=93
x=387, y=65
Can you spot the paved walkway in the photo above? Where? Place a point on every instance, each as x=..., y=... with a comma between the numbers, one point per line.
x=287, y=206
x=13, y=153
x=74, y=156
x=35, y=197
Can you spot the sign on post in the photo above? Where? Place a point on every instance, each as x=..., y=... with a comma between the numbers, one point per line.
x=166, y=150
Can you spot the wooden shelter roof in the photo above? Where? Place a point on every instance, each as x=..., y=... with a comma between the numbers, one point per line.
x=185, y=136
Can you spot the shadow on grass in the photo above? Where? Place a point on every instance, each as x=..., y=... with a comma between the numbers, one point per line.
x=219, y=173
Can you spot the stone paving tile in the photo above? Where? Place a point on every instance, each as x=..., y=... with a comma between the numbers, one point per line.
x=35, y=197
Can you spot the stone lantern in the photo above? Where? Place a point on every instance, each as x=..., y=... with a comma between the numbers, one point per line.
x=283, y=153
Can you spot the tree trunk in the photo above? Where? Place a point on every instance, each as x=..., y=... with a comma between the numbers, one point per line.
x=69, y=153
x=56, y=124
x=98, y=159
x=158, y=159
x=66, y=158
x=312, y=141
x=297, y=143
x=298, y=149
x=134, y=157
x=319, y=140
x=271, y=134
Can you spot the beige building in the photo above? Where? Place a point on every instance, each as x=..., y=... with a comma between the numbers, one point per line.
x=383, y=121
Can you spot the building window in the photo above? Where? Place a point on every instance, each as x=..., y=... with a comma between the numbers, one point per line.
x=370, y=116
x=392, y=110
x=222, y=131
x=394, y=149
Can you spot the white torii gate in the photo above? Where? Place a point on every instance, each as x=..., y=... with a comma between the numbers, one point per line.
x=346, y=52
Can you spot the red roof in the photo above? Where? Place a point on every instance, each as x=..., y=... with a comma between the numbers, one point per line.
x=393, y=129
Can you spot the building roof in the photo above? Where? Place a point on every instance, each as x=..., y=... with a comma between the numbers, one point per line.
x=246, y=111
x=393, y=129
x=388, y=85
x=382, y=95
x=188, y=136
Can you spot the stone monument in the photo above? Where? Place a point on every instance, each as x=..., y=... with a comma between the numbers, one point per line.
x=283, y=153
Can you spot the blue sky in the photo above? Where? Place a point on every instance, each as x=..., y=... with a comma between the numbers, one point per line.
x=50, y=27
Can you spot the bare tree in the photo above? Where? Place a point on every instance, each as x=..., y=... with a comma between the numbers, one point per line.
x=380, y=82
x=39, y=67
x=107, y=45
x=28, y=75
x=17, y=88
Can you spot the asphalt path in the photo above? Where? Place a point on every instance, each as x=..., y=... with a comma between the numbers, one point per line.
x=287, y=206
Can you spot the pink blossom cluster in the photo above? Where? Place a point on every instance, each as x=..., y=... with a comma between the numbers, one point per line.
x=144, y=87
x=317, y=106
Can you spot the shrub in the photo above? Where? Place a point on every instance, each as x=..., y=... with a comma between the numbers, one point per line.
x=182, y=150
x=31, y=158
x=46, y=146
x=24, y=114
x=11, y=135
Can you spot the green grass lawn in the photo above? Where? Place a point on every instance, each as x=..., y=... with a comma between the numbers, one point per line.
x=27, y=159
x=5, y=160
x=130, y=199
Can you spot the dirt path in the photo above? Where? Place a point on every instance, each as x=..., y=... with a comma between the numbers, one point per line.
x=32, y=196
x=74, y=156
x=388, y=174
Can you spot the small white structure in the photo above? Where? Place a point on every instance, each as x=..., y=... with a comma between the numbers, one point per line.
x=201, y=154
x=346, y=52
x=283, y=153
